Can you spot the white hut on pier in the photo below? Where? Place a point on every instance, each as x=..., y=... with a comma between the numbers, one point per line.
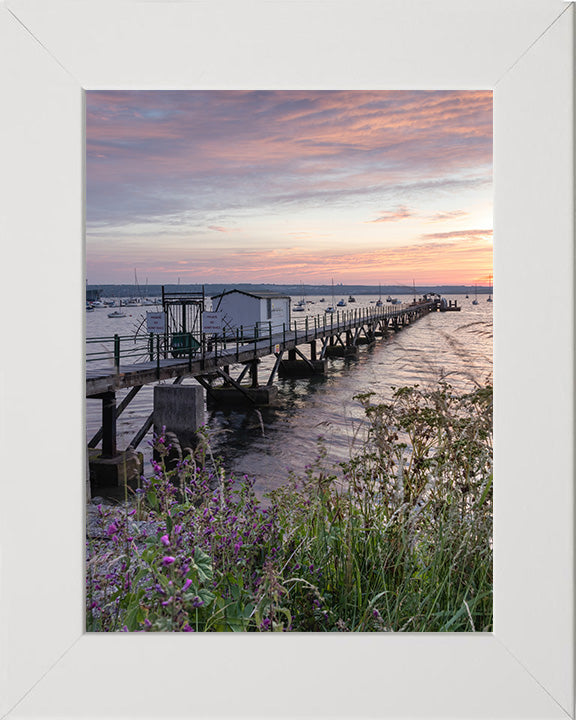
x=249, y=310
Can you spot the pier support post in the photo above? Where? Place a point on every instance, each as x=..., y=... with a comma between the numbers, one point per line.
x=109, y=424
x=254, y=373
x=180, y=409
x=313, y=350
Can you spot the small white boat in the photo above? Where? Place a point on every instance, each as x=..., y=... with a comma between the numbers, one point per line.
x=342, y=303
x=329, y=309
x=378, y=302
x=89, y=308
x=298, y=308
x=97, y=303
x=116, y=314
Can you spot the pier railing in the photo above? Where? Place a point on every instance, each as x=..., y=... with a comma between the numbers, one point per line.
x=117, y=350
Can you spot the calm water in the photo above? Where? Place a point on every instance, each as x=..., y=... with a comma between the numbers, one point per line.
x=268, y=443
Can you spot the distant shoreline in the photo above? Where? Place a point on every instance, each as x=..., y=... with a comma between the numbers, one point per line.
x=111, y=290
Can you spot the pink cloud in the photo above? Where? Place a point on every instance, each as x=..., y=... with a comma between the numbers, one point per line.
x=450, y=215
x=401, y=213
x=458, y=235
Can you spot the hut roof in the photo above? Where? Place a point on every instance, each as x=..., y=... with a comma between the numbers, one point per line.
x=264, y=295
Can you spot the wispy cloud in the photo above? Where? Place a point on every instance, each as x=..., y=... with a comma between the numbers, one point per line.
x=450, y=215
x=459, y=235
x=401, y=213
x=222, y=229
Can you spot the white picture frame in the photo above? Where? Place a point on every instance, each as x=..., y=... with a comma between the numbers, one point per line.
x=53, y=50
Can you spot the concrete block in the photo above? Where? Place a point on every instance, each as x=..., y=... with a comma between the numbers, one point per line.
x=180, y=409
x=109, y=477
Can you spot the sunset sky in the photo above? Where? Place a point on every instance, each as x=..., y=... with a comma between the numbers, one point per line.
x=364, y=187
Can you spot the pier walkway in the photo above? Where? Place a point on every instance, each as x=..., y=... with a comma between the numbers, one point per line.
x=115, y=363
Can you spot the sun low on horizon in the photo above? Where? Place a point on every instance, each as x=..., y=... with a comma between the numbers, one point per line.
x=285, y=187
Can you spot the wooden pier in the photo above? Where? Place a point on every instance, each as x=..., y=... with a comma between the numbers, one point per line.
x=209, y=359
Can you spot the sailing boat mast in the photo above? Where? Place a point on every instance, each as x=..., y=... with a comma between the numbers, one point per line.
x=331, y=308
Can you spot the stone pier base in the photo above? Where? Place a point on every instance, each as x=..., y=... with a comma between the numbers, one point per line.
x=109, y=477
x=265, y=395
x=179, y=409
x=301, y=369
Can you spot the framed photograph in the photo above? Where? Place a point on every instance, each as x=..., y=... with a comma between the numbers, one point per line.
x=53, y=52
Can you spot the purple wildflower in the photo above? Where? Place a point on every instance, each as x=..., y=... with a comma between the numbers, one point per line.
x=165, y=540
x=186, y=585
x=168, y=560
